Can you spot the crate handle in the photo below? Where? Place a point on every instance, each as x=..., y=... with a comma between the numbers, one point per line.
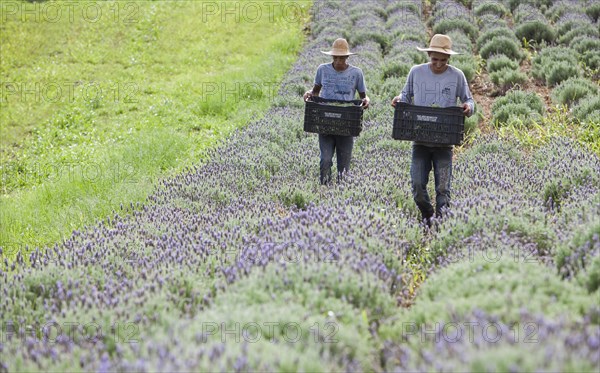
x=321, y=100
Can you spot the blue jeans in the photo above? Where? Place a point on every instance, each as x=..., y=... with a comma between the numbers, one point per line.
x=342, y=146
x=423, y=158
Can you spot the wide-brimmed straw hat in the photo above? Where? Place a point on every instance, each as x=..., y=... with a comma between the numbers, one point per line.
x=440, y=43
x=339, y=48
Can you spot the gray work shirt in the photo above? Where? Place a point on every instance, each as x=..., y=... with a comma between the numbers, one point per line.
x=340, y=85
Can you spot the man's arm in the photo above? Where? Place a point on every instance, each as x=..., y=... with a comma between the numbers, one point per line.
x=365, y=99
x=313, y=92
x=464, y=93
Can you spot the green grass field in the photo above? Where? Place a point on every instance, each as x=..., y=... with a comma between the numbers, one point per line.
x=100, y=100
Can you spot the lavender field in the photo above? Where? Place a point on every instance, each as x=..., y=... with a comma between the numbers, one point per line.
x=246, y=263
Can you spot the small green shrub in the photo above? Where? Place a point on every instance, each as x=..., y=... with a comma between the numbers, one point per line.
x=572, y=90
x=524, y=106
x=392, y=87
x=559, y=9
x=447, y=25
x=467, y=64
x=584, y=43
x=397, y=66
x=591, y=59
x=561, y=71
x=510, y=113
x=501, y=62
x=544, y=61
x=538, y=31
x=587, y=109
x=592, y=275
x=484, y=38
x=514, y=4
x=491, y=8
x=531, y=99
x=593, y=11
x=566, y=26
x=489, y=21
x=403, y=7
x=296, y=198
x=364, y=36
x=582, y=30
x=502, y=45
x=507, y=78
x=472, y=122
x=461, y=42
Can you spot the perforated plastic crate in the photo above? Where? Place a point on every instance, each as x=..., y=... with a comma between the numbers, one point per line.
x=444, y=126
x=321, y=116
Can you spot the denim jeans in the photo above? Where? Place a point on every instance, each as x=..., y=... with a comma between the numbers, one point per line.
x=342, y=146
x=423, y=158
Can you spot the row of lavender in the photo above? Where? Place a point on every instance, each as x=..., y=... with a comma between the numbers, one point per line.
x=563, y=36
x=509, y=235
x=246, y=263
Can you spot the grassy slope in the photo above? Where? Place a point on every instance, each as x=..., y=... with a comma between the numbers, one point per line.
x=119, y=102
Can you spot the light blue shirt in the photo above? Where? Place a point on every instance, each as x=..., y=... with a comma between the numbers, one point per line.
x=340, y=85
x=424, y=88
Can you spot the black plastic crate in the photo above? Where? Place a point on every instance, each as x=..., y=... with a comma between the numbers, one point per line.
x=444, y=126
x=326, y=119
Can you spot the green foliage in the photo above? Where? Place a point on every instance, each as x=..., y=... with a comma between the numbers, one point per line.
x=513, y=4
x=362, y=36
x=591, y=60
x=538, y=31
x=489, y=7
x=591, y=277
x=561, y=71
x=580, y=30
x=524, y=106
x=467, y=64
x=403, y=7
x=514, y=115
x=571, y=90
x=447, y=25
x=507, y=78
x=588, y=110
x=494, y=284
x=593, y=11
x=489, y=21
x=502, y=45
x=584, y=43
x=78, y=157
x=559, y=9
x=554, y=64
x=297, y=198
x=487, y=36
x=461, y=42
x=392, y=87
x=396, y=69
x=571, y=260
x=501, y=62
x=472, y=125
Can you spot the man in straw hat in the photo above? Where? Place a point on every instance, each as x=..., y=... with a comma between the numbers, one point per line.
x=434, y=84
x=337, y=80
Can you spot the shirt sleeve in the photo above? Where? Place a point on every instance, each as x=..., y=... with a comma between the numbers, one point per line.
x=361, y=85
x=319, y=76
x=408, y=93
x=464, y=93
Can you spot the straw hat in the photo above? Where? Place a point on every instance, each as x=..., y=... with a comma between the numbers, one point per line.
x=441, y=44
x=339, y=48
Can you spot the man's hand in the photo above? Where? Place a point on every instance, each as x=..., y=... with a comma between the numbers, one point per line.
x=466, y=109
x=365, y=102
x=307, y=95
x=395, y=100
